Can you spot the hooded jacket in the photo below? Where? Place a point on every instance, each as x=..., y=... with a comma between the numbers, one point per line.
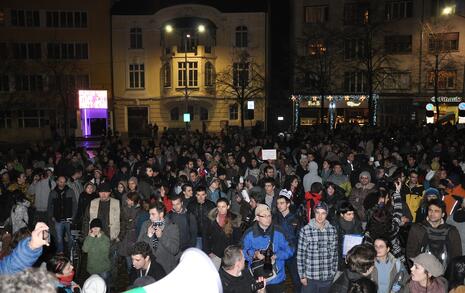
x=312, y=176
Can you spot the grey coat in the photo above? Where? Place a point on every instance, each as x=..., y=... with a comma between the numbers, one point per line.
x=167, y=253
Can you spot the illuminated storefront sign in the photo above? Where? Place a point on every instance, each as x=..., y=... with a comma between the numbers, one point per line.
x=93, y=99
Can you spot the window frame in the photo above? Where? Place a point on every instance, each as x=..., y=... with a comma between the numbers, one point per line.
x=390, y=8
x=398, y=44
x=189, y=75
x=209, y=79
x=234, y=111
x=321, y=10
x=241, y=36
x=136, y=76
x=135, y=38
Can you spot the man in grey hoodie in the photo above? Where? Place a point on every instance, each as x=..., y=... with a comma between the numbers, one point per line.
x=312, y=176
x=41, y=190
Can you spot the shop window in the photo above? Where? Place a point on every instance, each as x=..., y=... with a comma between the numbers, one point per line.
x=234, y=112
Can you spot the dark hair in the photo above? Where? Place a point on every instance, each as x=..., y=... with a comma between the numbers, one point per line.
x=184, y=186
x=269, y=180
x=223, y=199
x=57, y=263
x=176, y=197
x=200, y=188
x=134, y=196
x=361, y=258
x=437, y=202
x=345, y=207
x=316, y=187
x=160, y=207
x=456, y=272
x=363, y=285
x=141, y=248
x=288, y=181
x=385, y=240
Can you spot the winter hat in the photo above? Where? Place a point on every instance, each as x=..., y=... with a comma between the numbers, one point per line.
x=322, y=206
x=261, y=208
x=95, y=223
x=104, y=187
x=94, y=284
x=430, y=263
x=363, y=174
x=212, y=180
x=286, y=193
x=312, y=166
x=432, y=191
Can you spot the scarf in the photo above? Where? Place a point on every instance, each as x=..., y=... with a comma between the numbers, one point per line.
x=221, y=219
x=434, y=287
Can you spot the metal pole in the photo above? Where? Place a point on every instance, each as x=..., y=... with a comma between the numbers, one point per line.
x=186, y=93
x=436, y=81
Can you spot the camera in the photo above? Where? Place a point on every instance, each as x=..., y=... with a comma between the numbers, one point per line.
x=267, y=263
x=257, y=286
x=157, y=224
x=46, y=235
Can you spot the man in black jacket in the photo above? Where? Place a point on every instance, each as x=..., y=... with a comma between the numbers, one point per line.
x=61, y=204
x=144, y=263
x=186, y=222
x=200, y=209
x=235, y=277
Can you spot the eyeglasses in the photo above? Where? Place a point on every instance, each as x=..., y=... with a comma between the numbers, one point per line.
x=264, y=216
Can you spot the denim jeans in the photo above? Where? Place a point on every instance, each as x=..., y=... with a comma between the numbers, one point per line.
x=317, y=286
x=106, y=277
x=291, y=265
x=61, y=228
x=199, y=243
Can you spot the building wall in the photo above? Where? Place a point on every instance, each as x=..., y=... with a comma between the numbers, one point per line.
x=418, y=63
x=97, y=66
x=159, y=99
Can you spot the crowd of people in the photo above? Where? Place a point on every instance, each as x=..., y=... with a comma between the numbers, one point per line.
x=356, y=209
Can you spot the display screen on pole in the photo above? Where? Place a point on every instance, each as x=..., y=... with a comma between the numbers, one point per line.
x=250, y=105
x=187, y=117
x=93, y=99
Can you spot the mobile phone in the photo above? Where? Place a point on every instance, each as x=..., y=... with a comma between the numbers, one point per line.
x=46, y=235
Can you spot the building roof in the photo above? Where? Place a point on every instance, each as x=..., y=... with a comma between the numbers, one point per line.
x=148, y=7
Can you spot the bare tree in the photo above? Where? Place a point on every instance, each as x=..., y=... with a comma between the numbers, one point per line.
x=243, y=80
x=317, y=68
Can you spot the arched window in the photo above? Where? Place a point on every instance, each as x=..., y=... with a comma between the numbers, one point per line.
x=209, y=74
x=167, y=75
x=203, y=114
x=241, y=37
x=174, y=114
x=233, y=111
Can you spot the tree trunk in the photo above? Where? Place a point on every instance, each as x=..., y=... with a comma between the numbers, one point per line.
x=242, y=112
x=436, y=87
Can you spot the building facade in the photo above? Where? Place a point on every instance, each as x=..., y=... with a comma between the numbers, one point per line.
x=407, y=50
x=48, y=51
x=174, y=58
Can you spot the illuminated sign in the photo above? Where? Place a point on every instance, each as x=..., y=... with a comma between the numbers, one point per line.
x=462, y=106
x=93, y=99
x=353, y=104
x=250, y=105
x=429, y=107
x=187, y=117
x=447, y=99
x=280, y=118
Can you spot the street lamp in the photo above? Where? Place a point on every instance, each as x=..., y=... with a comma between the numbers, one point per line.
x=448, y=10
x=186, y=92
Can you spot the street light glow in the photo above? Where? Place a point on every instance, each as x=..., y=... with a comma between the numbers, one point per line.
x=201, y=28
x=188, y=36
x=168, y=28
x=448, y=10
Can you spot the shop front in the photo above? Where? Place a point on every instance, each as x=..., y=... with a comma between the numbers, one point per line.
x=93, y=113
x=337, y=109
x=448, y=109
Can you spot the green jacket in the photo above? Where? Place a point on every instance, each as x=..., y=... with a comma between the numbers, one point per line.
x=98, y=254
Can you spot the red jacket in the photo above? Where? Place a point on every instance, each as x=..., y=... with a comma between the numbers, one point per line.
x=311, y=200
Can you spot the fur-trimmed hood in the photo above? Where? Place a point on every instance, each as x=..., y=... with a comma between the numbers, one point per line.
x=236, y=220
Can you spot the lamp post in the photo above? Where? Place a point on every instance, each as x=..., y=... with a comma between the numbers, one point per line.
x=186, y=89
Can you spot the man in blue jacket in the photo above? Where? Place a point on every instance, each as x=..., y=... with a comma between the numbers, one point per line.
x=26, y=253
x=257, y=238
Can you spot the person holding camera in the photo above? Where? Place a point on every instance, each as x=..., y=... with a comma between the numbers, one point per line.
x=267, y=242
x=163, y=236
x=235, y=277
x=97, y=247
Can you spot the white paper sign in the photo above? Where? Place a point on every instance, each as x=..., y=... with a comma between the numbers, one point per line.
x=350, y=240
x=269, y=154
